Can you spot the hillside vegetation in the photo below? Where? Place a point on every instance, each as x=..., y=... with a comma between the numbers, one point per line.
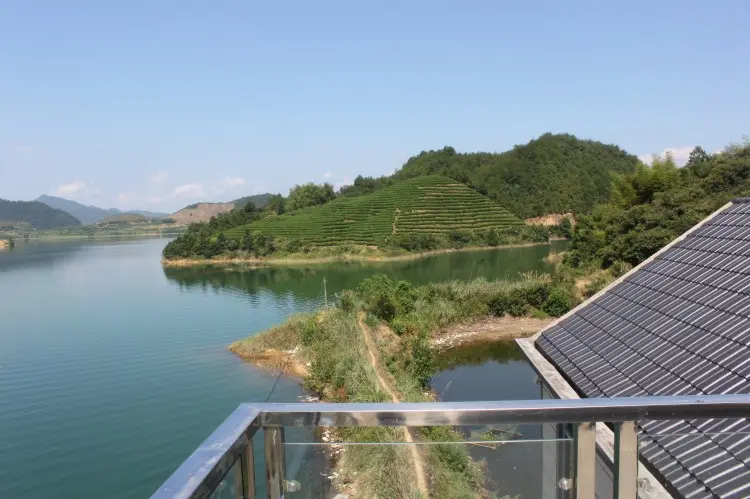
x=653, y=205
x=35, y=214
x=425, y=205
x=420, y=214
x=550, y=174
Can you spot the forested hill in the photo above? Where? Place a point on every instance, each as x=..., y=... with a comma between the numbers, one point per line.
x=550, y=174
x=34, y=213
x=655, y=204
x=420, y=214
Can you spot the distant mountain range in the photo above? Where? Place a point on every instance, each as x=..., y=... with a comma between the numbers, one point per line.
x=50, y=212
x=35, y=214
x=90, y=214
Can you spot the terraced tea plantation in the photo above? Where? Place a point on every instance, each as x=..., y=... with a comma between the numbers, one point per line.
x=430, y=204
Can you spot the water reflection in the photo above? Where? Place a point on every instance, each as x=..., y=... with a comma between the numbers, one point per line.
x=502, y=352
x=496, y=371
x=306, y=282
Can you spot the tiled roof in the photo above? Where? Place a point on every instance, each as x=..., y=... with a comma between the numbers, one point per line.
x=678, y=325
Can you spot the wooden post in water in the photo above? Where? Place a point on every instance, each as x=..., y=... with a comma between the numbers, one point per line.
x=325, y=291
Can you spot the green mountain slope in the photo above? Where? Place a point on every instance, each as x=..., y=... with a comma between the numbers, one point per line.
x=259, y=200
x=89, y=214
x=425, y=205
x=550, y=174
x=34, y=213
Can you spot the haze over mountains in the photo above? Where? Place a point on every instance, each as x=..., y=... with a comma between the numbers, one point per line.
x=88, y=214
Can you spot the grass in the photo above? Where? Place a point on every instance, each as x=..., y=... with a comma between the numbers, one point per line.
x=423, y=205
x=432, y=307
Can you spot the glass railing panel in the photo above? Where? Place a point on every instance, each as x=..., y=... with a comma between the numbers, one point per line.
x=231, y=487
x=498, y=460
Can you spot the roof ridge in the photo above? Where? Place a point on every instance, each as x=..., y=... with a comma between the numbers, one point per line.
x=741, y=200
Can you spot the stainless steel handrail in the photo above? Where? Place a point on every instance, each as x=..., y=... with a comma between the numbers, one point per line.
x=201, y=473
x=610, y=410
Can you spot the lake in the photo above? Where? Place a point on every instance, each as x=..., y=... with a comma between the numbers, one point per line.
x=113, y=369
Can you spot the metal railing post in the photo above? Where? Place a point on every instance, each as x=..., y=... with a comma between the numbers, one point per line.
x=274, y=449
x=585, y=462
x=247, y=465
x=626, y=461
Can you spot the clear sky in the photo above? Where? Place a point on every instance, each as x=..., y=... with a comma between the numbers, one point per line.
x=157, y=104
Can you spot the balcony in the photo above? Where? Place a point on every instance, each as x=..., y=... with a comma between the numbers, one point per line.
x=571, y=463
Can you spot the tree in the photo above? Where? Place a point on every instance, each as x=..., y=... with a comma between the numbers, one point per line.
x=221, y=242
x=276, y=204
x=697, y=156
x=654, y=205
x=249, y=208
x=302, y=196
x=698, y=162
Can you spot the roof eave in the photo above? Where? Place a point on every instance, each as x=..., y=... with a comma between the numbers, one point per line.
x=605, y=438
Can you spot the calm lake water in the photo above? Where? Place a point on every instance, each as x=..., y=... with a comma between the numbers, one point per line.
x=112, y=369
x=496, y=371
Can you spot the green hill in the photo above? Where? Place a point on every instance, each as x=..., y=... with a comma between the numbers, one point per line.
x=550, y=174
x=424, y=205
x=37, y=215
x=259, y=200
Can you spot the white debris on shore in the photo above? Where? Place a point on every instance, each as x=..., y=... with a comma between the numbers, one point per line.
x=451, y=340
x=333, y=450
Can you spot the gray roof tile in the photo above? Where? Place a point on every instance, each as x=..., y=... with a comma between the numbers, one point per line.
x=679, y=325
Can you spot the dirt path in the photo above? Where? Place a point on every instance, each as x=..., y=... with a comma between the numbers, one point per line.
x=488, y=329
x=387, y=387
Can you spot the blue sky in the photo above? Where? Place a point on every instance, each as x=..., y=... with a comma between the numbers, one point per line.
x=159, y=104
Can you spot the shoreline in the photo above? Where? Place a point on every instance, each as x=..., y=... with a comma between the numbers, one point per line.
x=345, y=258
x=97, y=236
x=481, y=330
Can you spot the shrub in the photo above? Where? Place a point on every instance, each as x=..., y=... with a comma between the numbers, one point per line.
x=517, y=304
x=536, y=293
x=372, y=288
x=385, y=308
x=347, y=301
x=400, y=325
x=498, y=304
x=291, y=245
x=423, y=363
x=558, y=302
x=459, y=238
x=596, y=284
x=491, y=238
x=309, y=330
x=415, y=241
x=620, y=268
x=405, y=297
